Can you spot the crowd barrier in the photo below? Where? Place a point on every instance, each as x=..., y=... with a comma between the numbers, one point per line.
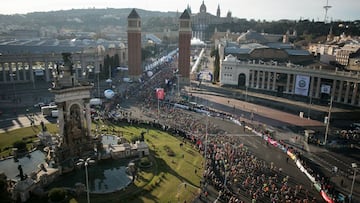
x=297, y=161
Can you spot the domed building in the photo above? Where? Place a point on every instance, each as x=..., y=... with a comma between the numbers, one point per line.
x=201, y=21
x=251, y=37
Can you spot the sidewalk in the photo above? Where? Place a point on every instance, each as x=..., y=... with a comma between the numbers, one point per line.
x=21, y=121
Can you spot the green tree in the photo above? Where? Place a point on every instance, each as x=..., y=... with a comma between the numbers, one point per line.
x=107, y=63
x=4, y=194
x=57, y=194
x=116, y=60
x=20, y=145
x=216, y=71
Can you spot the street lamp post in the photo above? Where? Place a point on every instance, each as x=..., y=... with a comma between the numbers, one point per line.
x=206, y=137
x=246, y=93
x=354, y=166
x=224, y=173
x=12, y=75
x=98, y=84
x=309, y=107
x=86, y=163
x=328, y=121
x=178, y=84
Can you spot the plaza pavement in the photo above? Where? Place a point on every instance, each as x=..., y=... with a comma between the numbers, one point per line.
x=22, y=119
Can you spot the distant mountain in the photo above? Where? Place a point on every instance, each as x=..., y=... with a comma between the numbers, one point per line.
x=87, y=20
x=112, y=21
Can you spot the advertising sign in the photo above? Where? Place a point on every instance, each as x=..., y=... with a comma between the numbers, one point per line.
x=325, y=89
x=302, y=85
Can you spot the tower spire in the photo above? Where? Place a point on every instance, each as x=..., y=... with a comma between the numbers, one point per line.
x=218, y=11
x=326, y=7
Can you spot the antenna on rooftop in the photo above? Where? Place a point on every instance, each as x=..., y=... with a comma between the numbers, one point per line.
x=326, y=7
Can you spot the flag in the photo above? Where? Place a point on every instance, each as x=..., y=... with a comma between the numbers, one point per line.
x=160, y=94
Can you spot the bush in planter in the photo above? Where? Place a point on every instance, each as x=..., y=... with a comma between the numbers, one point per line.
x=57, y=194
x=169, y=151
x=20, y=145
x=145, y=161
x=134, y=139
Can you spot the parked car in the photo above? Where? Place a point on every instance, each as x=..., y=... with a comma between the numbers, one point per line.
x=40, y=104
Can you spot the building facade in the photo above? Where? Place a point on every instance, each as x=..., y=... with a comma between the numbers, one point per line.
x=303, y=81
x=202, y=20
x=341, y=50
x=30, y=61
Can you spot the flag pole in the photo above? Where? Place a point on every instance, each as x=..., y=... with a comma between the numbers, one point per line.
x=158, y=109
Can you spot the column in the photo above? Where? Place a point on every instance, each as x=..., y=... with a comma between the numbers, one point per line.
x=353, y=98
x=61, y=119
x=84, y=68
x=31, y=72
x=17, y=71
x=24, y=70
x=257, y=79
x=263, y=80
x=11, y=73
x=311, y=91
x=317, y=91
x=341, y=86
x=252, y=78
x=88, y=118
x=287, y=83
x=47, y=72
x=3, y=71
x=268, y=80
x=333, y=89
x=346, y=99
x=293, y=84
x=274, y=82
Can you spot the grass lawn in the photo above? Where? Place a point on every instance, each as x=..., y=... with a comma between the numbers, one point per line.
x=28, y=134
x=165, y=181
x=170, y=179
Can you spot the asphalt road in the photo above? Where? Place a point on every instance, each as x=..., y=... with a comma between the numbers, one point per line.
x=252, y=114
x=282, y=122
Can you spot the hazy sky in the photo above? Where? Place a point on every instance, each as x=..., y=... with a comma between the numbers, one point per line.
x=249, y=9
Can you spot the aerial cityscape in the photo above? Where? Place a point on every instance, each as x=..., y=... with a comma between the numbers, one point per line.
x=158, y=101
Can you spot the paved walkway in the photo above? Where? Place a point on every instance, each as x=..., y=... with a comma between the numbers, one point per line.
x=21, y=121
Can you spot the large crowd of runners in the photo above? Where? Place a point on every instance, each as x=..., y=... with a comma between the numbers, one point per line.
x=230, y=166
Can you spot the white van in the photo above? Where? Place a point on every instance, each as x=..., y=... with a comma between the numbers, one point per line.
x=95, y=102
x=55, y=113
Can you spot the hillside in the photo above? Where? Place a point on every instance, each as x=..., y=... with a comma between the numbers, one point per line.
x=86, y=20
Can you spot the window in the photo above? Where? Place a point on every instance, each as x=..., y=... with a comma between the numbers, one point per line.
x=184, y=24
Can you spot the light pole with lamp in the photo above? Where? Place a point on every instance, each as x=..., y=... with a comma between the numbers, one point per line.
x=354, y=166
x=309, y=107
x=206, y=137
x=12, y=76
x=328, y=121
x=109, y=80
x=98, y=84
x=178, y=84
x=86, y=163
x=220, y=192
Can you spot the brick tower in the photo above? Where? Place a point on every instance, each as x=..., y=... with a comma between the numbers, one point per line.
x=134, y=45
x=184, y=47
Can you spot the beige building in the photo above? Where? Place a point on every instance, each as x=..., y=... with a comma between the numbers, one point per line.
x=285, y=78
x=341, y=49
x=343, y=54
x=39, y=62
